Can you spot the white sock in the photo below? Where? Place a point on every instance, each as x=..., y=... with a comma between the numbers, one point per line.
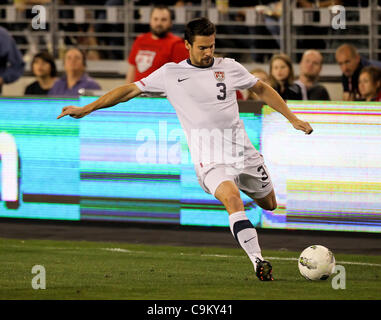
x=246, y=235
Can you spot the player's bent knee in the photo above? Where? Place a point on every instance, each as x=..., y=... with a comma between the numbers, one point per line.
x=228, y=193
x=234, y=200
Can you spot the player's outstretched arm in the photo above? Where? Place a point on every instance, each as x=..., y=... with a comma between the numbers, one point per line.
x=111, y=98
x=275, y=101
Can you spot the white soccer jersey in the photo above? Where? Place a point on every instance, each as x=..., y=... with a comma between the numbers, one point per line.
x=205, y=102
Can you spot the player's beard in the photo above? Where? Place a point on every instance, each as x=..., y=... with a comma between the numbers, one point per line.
x=159, y=32
x=207, y=61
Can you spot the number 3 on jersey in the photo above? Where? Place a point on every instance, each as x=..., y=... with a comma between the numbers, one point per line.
x=222, y=95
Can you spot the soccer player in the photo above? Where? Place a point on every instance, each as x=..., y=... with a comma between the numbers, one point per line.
x=202, y=91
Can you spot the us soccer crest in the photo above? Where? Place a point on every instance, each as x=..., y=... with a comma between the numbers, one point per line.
x=219, y=75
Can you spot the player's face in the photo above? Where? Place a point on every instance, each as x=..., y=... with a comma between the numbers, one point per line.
x=347, y=62
x=366, y=86
x=160, y=22
x=310, y=66
x=41, y=68
x=201, y=52
x=280, y=70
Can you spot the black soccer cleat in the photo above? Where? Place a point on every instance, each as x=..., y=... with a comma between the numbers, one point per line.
x=264, y=270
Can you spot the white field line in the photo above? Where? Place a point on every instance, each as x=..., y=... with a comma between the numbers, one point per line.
x=46, y=247
x=359, y=263
x=123, y=250
x=231, y=256
x=117, y=250
x=337, y=262
x=202, y=255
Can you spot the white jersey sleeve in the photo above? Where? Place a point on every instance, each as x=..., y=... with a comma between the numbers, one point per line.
x=155, y=82
x=243, y=79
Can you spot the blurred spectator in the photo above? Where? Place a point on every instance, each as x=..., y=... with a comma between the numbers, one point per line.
x=11, y=61
x=282, y=78
x=318, y=4
x=44, y=69
x=351, y=63
x=329, y=3
x=20, y=4
x=269, y=13
x=90, y=42
x=313, y=17
x=272, y=12
x=24, y=11
x=87, y=38
x=110, y=27
x=370, y=84
x=153, y=49
x=181, y=3
x=224, y=28
x=261, y=75
x=309, y=71
x=75, y=77
x=179, y=28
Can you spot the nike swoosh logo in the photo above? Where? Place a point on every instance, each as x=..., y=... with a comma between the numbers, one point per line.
x=249, y=240
x=265, y=185
x=181, y=80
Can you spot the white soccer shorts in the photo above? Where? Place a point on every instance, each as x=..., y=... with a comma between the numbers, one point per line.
x=253, y=177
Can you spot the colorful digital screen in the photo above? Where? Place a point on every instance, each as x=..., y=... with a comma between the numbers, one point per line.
x=331, y=179
x=131, y=163
x=39, y=160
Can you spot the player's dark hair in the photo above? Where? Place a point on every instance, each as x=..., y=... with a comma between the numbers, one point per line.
x=47, y=57
x=198, y=27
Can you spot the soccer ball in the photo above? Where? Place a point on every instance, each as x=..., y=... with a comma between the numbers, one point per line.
x=316, y=263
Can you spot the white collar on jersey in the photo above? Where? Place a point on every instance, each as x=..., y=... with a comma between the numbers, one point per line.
x=190, y=63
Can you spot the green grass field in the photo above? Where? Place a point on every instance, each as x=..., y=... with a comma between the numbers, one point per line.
x=95, y=270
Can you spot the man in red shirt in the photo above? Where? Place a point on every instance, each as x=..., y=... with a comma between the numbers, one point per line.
x=153, y=49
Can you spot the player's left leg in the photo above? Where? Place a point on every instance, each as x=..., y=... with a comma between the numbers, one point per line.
x=268, y=202
x=255, y=181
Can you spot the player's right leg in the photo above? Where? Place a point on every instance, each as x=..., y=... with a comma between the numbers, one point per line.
x=227, y=192
x=242, y=229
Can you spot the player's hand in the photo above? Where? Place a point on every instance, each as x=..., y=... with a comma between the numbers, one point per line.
x=72, y=111
x=303, y=126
